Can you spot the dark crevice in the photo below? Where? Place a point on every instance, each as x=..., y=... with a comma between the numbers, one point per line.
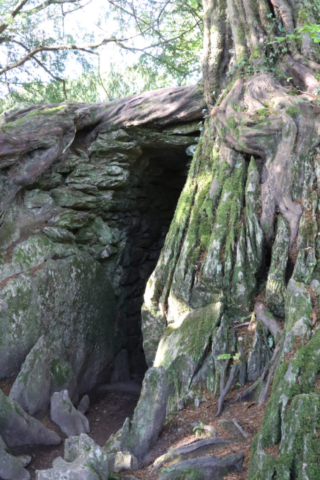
x=158, y=178
x=263, y=272
x=204, y=356
x=247, y=157
x=272, y=9
x=80, y=138
x=289, y=270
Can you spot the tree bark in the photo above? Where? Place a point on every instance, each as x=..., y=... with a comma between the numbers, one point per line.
x=247, y=224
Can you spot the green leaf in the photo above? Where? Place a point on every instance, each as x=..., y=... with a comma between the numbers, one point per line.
x=224, y=356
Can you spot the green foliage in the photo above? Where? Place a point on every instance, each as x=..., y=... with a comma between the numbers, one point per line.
x=50, y=54
x=293, y=111
x=225, y=356
x=228, y=356
x=199, y=430
x=167, y=469
x=313, y=31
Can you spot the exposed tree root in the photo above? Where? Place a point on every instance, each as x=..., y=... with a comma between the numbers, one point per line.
x=246, y=395
x=271, y=367
x=227, y=388
x=259, y=384
x=258, y=117
x=263, y=314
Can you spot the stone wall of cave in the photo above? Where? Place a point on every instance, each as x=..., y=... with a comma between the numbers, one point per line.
x=77, y=248
x=142, y=213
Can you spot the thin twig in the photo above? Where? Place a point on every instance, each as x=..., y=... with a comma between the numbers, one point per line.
x=55, y=77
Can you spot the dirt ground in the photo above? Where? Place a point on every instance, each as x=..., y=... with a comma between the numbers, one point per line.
x=178, y=429
x=111, y=405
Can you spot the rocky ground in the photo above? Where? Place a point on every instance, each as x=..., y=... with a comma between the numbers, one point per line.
x=110, y=406
x=178, y=429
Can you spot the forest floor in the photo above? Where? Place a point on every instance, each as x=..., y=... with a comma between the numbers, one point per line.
x=110, y=406
x=178, y=429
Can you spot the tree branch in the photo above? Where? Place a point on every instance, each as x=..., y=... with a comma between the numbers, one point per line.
x=47, y=3
x=55, y=77
x=78, y=8
x=55, y=48
x=85, y=48
x=13, y=14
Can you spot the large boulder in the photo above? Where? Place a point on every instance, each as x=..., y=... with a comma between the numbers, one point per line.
x=71, y=421
x=77, y=246
x=84, y=460
x=39, y=372
x=142, y=432
x=11, y=468
x=185, y=350
x=18, y=428
x=77, y=318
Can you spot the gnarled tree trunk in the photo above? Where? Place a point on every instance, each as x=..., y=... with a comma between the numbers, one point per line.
x=245, y=237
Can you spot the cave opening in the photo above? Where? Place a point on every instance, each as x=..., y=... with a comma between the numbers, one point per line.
x=156, y=180
x=80, y=244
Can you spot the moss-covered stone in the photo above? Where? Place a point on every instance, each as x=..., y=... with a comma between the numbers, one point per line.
x=72, y=161
x=73, y=199
x=141, y=433
x=298, y=314
x=276, y=284
x=288, y=420
x=72, y=220
x=97, y=233
x=59, y=235
x=19, y=324
x=91, y=176
x=77, y=319
x=37, y=199
x=182, y=349
x=259, y=354
x=18, y=428
x=48, y=181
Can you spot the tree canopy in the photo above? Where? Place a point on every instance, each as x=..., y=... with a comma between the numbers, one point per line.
x=49, y=51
